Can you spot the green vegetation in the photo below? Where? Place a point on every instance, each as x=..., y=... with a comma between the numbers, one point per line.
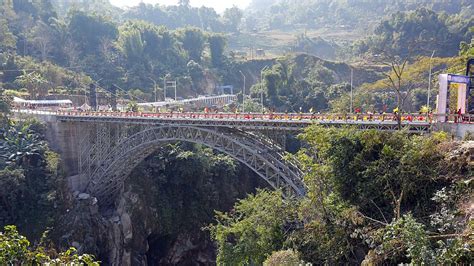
x=317, y=13
x=31, y=195
x=177, y=190
x=30, y=178
x=284, y=258
x=467, y=49
x=63, y=54
x=183, y=15
x=15, y=250
x=418, y=32
x=372, y=197
x=304, y=82
x=253, y=230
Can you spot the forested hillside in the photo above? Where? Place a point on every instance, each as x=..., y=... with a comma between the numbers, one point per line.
x=344, y=30
x=131, y=55
x=353, y=14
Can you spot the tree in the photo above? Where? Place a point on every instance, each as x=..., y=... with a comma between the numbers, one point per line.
x=184, y=3
x=254, y=229
x=232, y=17
x=132, y=106
x=71, y=53
x=396, y=80
x=7, y=39
x=28, y=178
x=34, y=82
x=196, y=73
x=422, y=27
x=404, y=235
x=4, y=106
x=42, y=39
x=88, y=31
x=193, y=41
x=132, y=44
x=271, y=82
x=467, y=49
x=402, y=165
x=217, y=45
x=15, y=250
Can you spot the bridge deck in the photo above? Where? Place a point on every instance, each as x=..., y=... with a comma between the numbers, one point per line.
x=288, y=122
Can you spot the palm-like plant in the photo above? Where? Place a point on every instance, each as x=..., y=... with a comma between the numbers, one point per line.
x=19, y=145
x=34, y=82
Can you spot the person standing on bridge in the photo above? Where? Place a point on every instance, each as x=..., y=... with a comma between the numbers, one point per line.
x=458, y=117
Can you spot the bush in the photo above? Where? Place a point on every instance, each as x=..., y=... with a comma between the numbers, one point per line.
x=15, y=250
x=283, y=258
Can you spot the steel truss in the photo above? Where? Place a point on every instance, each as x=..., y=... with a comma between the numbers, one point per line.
x=252, y=124
x=114, y=150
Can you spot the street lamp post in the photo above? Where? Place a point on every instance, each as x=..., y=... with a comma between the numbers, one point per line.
x=156, y=93
x=243, y=93
x=261, y=87
x=429, y=83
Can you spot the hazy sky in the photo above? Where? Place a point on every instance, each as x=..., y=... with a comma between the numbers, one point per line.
x=219, y=5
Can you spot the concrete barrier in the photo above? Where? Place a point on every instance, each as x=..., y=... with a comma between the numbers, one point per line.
x=459, y=130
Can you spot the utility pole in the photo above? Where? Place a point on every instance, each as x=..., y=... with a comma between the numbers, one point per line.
x=352, y=97
x=113, y=90
x=93, y=96
x=155, y=89
x=164, y=89
x=261, y=87
x=243, y=93
x=156, y=93
x=429, y=83
x=171, y=84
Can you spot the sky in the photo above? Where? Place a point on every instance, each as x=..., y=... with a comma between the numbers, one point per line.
x=218, y=5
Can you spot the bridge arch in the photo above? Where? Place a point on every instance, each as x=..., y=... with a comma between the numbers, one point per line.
x=107, y=180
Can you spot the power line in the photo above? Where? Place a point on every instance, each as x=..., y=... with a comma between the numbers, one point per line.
x=128, y=93
x=120, y=89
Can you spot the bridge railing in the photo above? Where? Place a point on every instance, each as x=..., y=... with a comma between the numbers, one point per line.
x=258, y=116
x=348, y=118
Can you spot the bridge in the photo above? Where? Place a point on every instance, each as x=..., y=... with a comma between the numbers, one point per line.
x=102, y=148
x=199, y=102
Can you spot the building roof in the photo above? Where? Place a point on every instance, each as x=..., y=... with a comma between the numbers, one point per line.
x=41, y=102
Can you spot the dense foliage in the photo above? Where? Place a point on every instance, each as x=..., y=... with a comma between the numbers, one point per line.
x=418, y=32
x=183, y=14
x=252, y=230
x=373, y=197
x=376, y=198
x=31, y=197
x=15, y=250
x=46, y=52
x=300, y=83
x=317, y=13
x=134, y=54
x=30, y=179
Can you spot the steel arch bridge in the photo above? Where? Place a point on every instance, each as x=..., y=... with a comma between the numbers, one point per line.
x=105, y=147
x=109, y=152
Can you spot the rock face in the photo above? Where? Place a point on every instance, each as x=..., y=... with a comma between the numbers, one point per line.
x=158, y=219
